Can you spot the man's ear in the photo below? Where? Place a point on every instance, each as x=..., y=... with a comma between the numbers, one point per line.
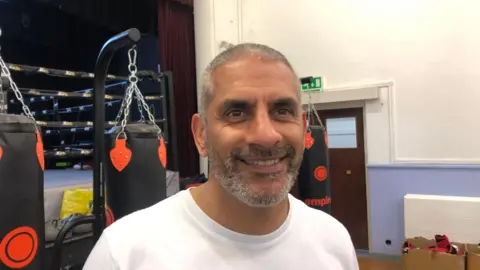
x=198, y=131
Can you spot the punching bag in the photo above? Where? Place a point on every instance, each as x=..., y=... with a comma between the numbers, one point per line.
x=22, y=226
x=313, y=179
x=135, y=170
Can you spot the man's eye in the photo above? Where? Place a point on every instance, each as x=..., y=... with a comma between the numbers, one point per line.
x=284, y=112
x=234, y=113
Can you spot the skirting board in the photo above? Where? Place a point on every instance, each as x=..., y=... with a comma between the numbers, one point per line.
x=456, y=217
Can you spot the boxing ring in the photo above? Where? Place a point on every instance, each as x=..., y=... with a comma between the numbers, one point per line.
x=61, y=149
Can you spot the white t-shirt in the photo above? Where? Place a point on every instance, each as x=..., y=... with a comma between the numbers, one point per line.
x=177, y=234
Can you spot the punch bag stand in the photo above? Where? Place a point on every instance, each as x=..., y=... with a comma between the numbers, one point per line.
x=125, y=39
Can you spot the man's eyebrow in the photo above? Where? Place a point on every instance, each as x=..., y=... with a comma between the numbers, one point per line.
x=236, y=103
x=284, y=102
x=245, y=104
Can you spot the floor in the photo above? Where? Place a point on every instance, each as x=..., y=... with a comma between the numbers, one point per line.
x=61, y=178
x=369, y=261
x=378, y=264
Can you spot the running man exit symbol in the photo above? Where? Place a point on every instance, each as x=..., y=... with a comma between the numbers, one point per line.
x=315, y=85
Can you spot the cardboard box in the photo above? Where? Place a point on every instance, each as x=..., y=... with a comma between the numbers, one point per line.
x=420, y=259
x=473, y=257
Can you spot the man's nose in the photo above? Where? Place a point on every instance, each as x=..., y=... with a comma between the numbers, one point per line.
x=262, y=130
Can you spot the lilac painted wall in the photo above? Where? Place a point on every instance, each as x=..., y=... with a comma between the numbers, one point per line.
x=389, y=183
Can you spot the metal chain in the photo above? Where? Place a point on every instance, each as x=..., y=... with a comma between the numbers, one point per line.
x=128, y=92
x=318, y=117
x=133, y=88
x=2, y=95
x=139, y=106
x=17, y=92
x=126, y=112
x=132, y=78
x=150, y=115
x=309, y=110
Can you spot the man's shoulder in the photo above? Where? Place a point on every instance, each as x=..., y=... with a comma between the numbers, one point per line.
x=321, y=222
x=152, y=230
x=156, y=217
x=328, y=232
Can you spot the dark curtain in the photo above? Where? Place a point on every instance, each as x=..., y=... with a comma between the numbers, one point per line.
x=177, y=54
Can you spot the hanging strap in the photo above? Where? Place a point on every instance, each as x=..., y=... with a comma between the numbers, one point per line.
x=310, y=108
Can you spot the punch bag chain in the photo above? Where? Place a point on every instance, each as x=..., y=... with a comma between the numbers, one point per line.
x=311, y=108
x=139, y=105
x=309, y=140
x=2, y=102
x=120, y=154
x=27, y=112
x=17, y=92
x=133, y=88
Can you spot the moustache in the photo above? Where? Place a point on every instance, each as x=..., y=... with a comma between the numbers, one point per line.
x=256, y=151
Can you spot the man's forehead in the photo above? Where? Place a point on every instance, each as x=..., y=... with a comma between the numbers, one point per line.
x=251, y=67
x=252, y=72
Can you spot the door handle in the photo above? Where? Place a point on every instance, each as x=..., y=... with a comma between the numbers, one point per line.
x=348, y=172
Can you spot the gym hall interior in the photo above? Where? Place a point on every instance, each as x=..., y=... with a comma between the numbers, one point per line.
x=388, y=88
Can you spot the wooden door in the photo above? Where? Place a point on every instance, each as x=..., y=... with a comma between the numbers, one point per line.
x=347, y=171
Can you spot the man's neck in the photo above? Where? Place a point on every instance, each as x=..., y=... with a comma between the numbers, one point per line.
x=229, y=212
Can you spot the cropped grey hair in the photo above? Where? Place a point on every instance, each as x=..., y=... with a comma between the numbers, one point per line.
x=231, y=51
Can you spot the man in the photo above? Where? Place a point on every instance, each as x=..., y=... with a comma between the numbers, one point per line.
x=251, y=127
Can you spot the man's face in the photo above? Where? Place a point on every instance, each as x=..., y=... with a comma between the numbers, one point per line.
x=255, y=130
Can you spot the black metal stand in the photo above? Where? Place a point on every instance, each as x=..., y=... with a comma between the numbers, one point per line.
x=171, y=123
x=3, y=101
x=124, y=39
x=127, y=38
x=57, y=249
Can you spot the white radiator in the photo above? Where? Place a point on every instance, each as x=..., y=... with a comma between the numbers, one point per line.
x=456, y=217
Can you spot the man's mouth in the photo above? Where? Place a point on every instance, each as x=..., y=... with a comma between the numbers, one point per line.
x=263, y=162
x=264, y=165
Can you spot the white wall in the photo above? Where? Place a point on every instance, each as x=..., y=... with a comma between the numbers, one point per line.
x=429, y=49
x=425, y=216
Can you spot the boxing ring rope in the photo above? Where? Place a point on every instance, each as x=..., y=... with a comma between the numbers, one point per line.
x=142, y=74
x=48, y=95
x=69, y=127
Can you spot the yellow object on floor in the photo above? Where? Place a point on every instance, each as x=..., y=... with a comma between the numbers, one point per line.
x=76, y=201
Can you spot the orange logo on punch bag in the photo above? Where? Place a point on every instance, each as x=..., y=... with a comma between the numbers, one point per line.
x=40, y=154
x=19, y=247
x=1, y=153
x=162, y=153
x=309, y=140
x=109, y=218
x=120, y=155
x=318, y=202
x=320, y=173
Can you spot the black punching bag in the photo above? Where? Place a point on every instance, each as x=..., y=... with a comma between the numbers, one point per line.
x=22, y=226
x=313, y=179
x=135, y=170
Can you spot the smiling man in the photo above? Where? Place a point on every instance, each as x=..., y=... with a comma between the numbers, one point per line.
x=251, y=126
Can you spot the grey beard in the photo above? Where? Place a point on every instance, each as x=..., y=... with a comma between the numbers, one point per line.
x=232, y=180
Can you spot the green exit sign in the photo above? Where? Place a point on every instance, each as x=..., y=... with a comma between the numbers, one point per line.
x=315, y=85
